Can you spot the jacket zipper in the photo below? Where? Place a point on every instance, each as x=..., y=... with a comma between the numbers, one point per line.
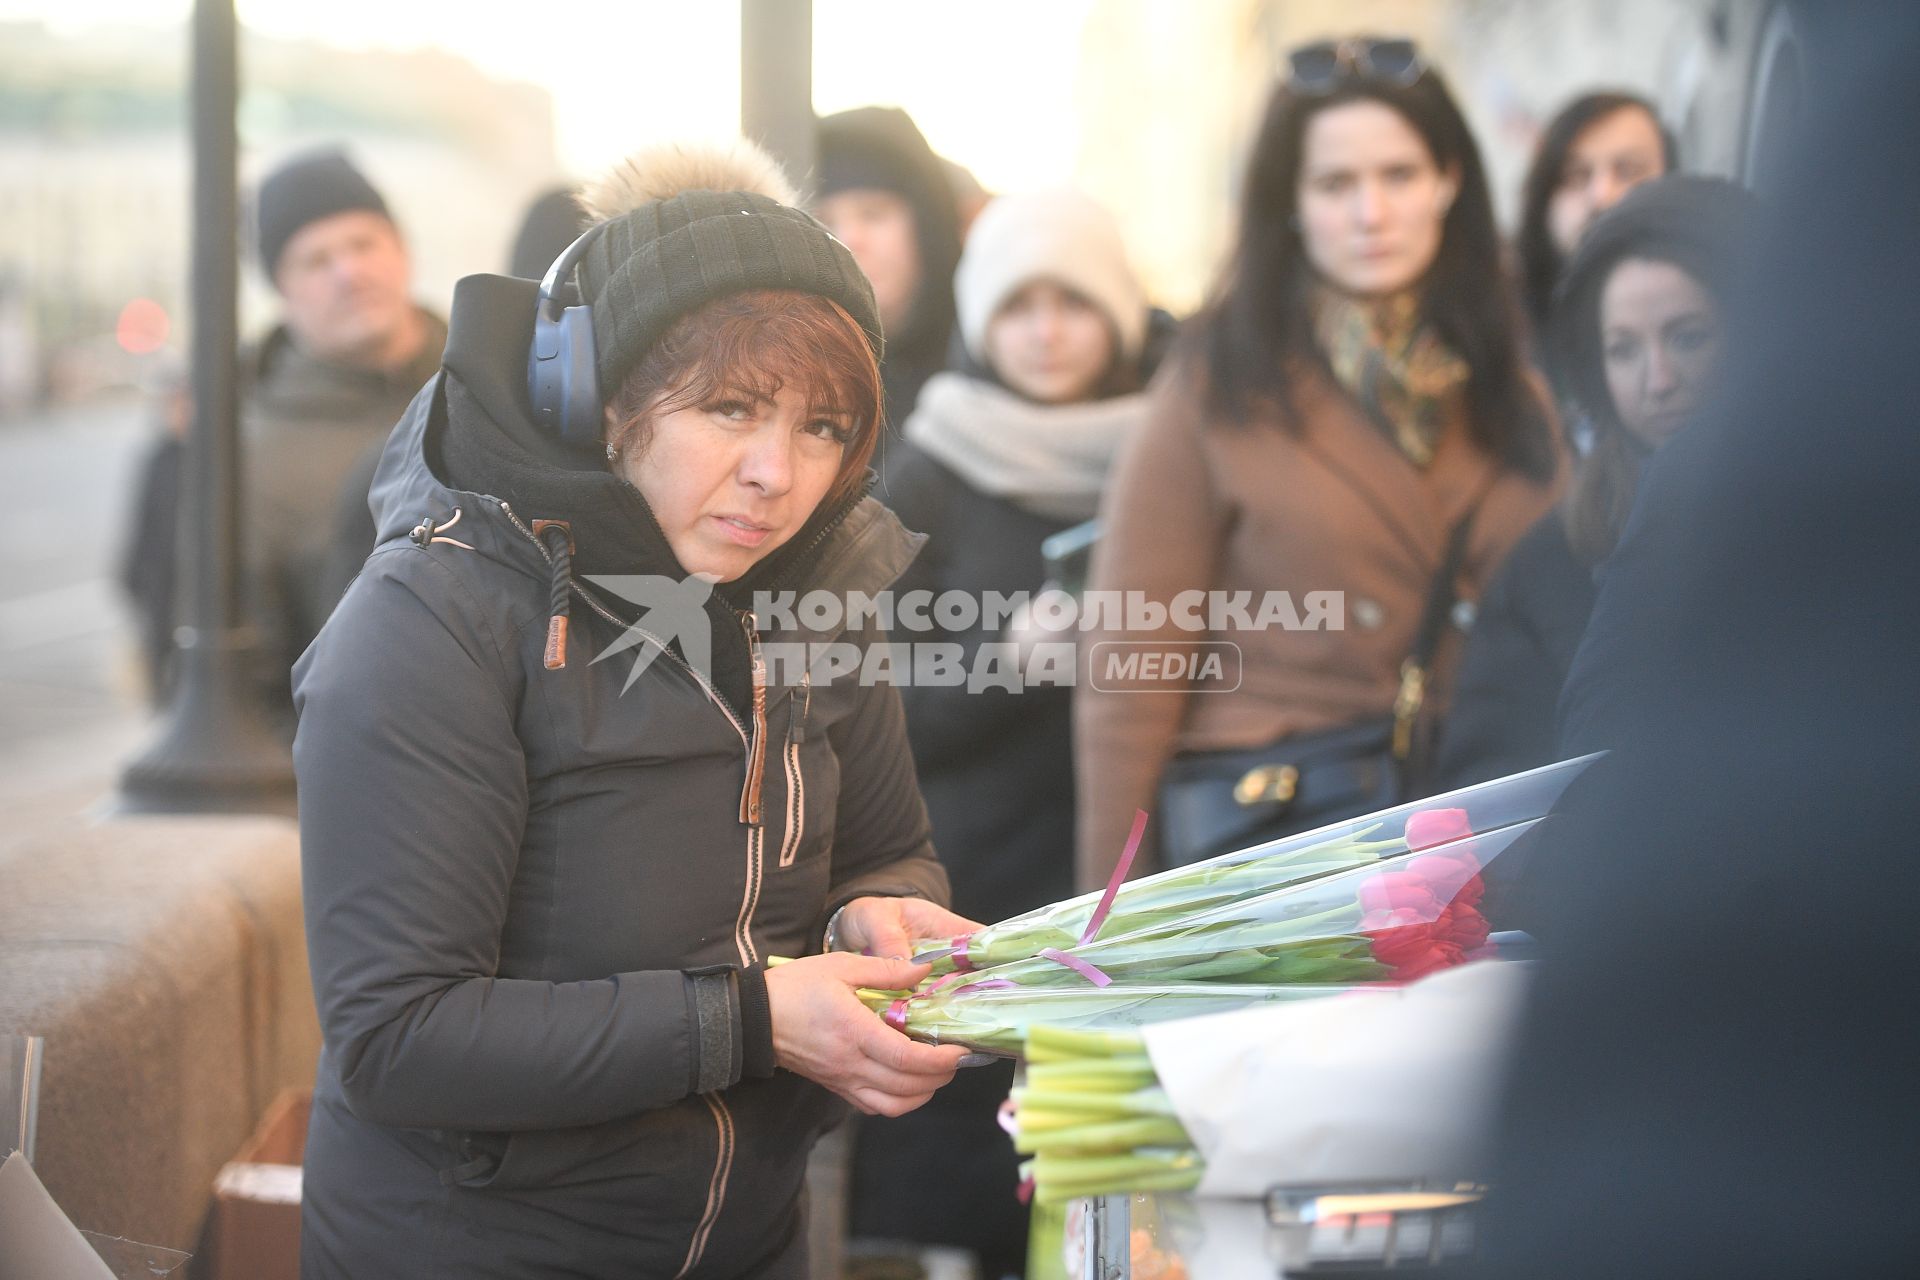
x=716, y=1185
x=606, y=613
x=723, y=1118
x=796, y=782
x=757, y=750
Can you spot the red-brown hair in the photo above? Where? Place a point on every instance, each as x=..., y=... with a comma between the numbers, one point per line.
x=755, y=343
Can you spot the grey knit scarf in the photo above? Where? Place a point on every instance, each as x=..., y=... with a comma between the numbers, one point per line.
x=1051, y=459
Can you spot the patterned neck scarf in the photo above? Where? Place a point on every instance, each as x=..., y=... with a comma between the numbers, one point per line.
x=1397, y=368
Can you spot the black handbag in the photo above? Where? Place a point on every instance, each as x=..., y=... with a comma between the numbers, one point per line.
x=1213, y=802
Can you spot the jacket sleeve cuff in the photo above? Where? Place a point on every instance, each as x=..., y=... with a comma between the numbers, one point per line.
x=713, y=996
x=756, y=1025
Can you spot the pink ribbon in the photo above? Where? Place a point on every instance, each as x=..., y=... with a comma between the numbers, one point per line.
x=897, y=1014
x=989, y=984
x=961, y=963
x=1120, y=868
x=1076, y=964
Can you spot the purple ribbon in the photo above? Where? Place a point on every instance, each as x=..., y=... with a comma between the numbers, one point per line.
x=897, y=1014
x=1076, y=964
x=987, y=984
x=1120, y=868
x=961, y=963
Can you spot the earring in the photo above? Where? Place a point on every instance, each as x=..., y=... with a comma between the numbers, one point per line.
x=613, y=453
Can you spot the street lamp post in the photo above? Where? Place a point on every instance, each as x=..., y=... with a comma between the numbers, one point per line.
x=215, y=751
x=776, y=81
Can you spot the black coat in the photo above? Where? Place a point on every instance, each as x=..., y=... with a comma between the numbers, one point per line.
x=1528, y=624
x=535, y=913
x=1715, y=1074
x=997, y=771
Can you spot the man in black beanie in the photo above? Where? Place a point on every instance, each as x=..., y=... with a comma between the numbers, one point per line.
x=319, y=394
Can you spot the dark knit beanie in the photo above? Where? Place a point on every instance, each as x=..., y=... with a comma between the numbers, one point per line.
x=668, y=257
x=306, y=189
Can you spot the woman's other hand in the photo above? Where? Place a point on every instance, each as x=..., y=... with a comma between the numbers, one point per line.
x=823, y=1032
x=887, y=927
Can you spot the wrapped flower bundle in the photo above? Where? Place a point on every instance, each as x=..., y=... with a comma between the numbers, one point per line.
x=1392, y=921
x=1000, y=1017
x=1155, y=901
x=1394, y=1085
x=1095, y=1121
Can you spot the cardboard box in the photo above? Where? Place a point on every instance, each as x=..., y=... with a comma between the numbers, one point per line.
x=255, y=1233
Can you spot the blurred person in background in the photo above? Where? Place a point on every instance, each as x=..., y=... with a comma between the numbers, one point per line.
x=318, y=396
x=1010, y=447
x=551, y=223
x=541, y=888
x=1351, y=411
x=1715, y=1073
x=1599, y=147
x=1638, y=334
x=886, y=196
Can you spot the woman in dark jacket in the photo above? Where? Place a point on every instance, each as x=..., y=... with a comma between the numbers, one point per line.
x=1636, y=334
x=1001, y=454
x=550, y=839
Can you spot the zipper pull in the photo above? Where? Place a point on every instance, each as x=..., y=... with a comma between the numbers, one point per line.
x=797, y=709
x=757, y=749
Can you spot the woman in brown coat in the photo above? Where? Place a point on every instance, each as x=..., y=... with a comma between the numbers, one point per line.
x=1353, y=394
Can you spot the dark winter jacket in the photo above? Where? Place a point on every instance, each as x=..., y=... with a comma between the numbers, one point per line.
x=536, y=913
x=312, y=432
x=996, y=767
x=1524, y=635
x=309, y=428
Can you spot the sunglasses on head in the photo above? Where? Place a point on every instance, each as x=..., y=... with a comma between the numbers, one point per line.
x=1324, y=66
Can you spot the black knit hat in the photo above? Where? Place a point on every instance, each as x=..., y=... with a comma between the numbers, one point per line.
x=1701, y=225
x=307, y=188
x=655, y=263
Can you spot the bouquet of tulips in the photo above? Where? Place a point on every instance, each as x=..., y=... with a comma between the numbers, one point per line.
x=1002, y=1017
x=1156, y=901
x=1395, y=1084
x=1391, y=921
x=1093, y=1119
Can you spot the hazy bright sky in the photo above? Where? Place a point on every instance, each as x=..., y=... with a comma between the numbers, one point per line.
x=626, y=72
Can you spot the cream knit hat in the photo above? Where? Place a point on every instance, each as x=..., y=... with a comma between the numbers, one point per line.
x=1061, y=235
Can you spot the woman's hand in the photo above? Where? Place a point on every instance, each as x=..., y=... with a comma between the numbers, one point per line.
x=888, y=926
x=823, y=1032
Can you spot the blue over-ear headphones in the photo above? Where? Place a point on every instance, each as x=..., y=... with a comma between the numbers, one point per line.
x=563, y=383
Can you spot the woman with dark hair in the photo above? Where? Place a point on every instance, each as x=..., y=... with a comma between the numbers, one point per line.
x=1350, y=421
x=550, y=839
x=1636, y=333
x=1597, y=149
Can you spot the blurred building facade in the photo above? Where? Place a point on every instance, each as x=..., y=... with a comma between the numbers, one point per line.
x=96, y=171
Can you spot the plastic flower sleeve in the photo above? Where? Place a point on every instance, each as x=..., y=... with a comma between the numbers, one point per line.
x=1389, y=921
x=996, y=1018
x=1159, y=899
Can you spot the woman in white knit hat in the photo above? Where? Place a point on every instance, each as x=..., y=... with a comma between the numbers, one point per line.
x=1007, y=448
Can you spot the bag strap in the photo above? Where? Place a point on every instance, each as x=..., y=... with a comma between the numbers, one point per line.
x=1442, y=593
